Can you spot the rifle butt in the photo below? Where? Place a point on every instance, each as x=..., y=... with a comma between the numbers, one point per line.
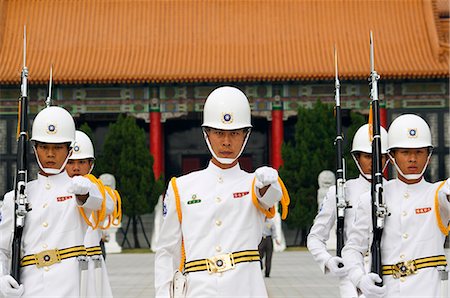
x=15, y=261
x=339, y=236
x=377, y=266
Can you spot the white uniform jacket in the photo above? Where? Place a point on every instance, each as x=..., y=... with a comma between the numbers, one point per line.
x=411, y=232
x=218, y=217
x=325, y=220
x=53, y=223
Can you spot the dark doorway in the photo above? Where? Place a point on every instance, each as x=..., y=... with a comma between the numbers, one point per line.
x=186, y=150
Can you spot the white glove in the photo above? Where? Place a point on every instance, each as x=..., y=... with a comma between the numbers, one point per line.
x=446, y=188
x=9, y=287
x=369, y=288
x=80, y=185
x=335, y=270
x=265, y=176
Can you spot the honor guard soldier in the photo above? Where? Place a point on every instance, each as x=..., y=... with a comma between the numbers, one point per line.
x=265, y=247
x=54, y=229
x=326, y=218
x=81, y=163
x=213, y=218
x=412, y=243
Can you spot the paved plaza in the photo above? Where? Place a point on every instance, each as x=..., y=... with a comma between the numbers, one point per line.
x=294, y=274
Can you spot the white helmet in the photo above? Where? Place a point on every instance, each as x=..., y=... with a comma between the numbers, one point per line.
x=409, y=131
x=362, y=140
x=362, y=143
x=83, y=147
x=53, y=125
x=227, y=108
x=108, y=180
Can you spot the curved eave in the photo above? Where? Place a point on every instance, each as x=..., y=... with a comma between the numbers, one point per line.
x=229, y=78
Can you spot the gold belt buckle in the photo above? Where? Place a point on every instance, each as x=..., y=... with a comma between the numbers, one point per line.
x=404, y=269
x=47, y=258
x=220, y=263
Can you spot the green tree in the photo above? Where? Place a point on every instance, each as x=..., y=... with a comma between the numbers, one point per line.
x=127, y=157
x=87, y=130
x=311, y=152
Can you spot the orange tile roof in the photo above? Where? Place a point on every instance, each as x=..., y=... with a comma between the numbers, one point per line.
x=137, y=41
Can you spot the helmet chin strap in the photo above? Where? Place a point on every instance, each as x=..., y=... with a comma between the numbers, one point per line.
x=410, y=176
x=368, y=177
x=225, y=161
x=51, y=171
x=92, y=167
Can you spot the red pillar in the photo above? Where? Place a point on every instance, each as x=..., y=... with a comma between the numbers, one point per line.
x=277, y=135
x=156, y=141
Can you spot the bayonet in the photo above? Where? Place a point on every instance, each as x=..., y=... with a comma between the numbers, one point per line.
x=48, y=101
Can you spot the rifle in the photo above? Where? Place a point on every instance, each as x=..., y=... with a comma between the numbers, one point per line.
x=21, y=203
x=340, y=170
x=379, y=210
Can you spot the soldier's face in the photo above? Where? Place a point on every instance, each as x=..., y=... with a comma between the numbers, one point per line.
x=76, y=167
x=410, y=161
x=52, y=156
x=226, y=143
x=365, y=162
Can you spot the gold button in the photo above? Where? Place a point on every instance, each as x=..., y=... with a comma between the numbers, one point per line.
x=44, y=245
x=46, y=268
x=218, y=248
x=45, y=224
x=218, y=222
x=47, y=185
x=406, y=195
x=45, y=205
x=405, y=236
x=218, y=199
x=402, y=256
x=402, y=279
x=404, y=213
